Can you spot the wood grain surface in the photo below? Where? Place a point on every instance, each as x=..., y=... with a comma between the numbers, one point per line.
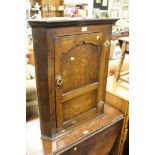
x=100, y=133
x=75, y=53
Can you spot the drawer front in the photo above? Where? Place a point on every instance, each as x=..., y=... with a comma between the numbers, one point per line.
x=80, y=75
x=99, y=144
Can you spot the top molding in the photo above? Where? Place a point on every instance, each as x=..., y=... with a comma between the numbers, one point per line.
x=68, y=21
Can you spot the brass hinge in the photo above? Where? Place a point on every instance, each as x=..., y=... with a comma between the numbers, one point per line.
x=107, y=43
x=100, y=104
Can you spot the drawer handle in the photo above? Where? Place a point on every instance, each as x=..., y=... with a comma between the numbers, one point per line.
x=59, y=80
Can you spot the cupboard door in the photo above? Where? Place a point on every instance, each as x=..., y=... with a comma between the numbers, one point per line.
x=80, y=73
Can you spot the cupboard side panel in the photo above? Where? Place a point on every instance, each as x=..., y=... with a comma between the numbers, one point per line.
x=41, y=69
x=51, y=80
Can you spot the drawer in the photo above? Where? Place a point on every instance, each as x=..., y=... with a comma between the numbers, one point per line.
x=98, y=144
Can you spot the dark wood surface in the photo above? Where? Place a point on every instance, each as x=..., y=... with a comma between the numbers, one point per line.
x=80, y=60
x=69, y=21
x=45, y=99
x=93, y=137
x=78, y=54
x=99, y=144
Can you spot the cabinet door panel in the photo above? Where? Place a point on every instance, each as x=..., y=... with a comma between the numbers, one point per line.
x=79, y=105
x=79, y=62
x=78, y=67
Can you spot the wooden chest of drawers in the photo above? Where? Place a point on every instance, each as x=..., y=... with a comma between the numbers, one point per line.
x=71, y=60
x=94, y=137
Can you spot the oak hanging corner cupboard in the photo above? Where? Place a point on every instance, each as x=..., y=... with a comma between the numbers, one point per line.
x=71, y=62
